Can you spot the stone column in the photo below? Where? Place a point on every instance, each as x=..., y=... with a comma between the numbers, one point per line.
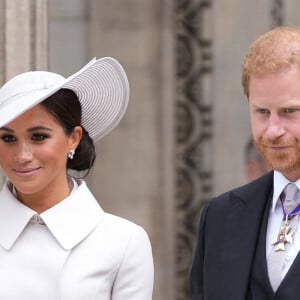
x=236, y=24
x=23, y=36
x=134, y=175
x=2, y=41
x=289, y=11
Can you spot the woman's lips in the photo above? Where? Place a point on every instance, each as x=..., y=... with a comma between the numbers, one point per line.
x=26, y=172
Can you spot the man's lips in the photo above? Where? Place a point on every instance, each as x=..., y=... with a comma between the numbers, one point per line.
x=277, y=147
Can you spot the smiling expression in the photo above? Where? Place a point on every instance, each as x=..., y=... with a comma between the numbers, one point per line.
x=33, y=155
x=274, y=103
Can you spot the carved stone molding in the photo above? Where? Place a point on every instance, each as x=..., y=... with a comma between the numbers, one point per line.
x=193, y=129
x=277, y=13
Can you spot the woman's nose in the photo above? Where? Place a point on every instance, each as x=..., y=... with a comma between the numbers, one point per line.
x=24, y=154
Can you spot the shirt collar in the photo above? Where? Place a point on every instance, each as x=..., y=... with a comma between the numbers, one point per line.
x=70, y=221
x=14, y=216
x=279, y=183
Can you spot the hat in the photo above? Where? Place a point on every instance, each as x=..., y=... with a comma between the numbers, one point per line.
x=101, y=86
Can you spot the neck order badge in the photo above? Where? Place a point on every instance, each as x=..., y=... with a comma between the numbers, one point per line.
x=285, y=235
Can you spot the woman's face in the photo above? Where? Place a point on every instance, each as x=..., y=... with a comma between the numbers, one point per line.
x=33, y=153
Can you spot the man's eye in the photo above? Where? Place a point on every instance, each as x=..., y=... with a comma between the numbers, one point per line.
x=39, y=137
x=7, y=138
x=262, y=111
x=290, y=110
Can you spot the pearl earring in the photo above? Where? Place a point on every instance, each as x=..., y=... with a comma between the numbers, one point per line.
x=71, y=154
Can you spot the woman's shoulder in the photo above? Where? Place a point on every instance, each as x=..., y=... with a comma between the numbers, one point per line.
x=120, y=225
x=120, y=236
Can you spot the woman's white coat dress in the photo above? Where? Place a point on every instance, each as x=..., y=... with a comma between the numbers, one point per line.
x=72, y=251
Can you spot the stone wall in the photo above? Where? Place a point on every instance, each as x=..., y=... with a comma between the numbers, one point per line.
x=134, y=177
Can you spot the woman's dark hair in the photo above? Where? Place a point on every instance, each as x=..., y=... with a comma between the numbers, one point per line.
x=66, y=109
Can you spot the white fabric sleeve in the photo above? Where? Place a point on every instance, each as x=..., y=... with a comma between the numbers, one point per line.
x=135, y=277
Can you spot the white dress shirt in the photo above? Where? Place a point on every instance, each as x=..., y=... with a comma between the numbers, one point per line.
x=275, y=221
x=72, y=251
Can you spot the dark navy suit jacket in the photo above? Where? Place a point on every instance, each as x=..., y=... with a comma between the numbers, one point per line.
x=228, y=233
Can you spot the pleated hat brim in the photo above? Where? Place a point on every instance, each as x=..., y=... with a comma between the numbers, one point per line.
x=101, y=86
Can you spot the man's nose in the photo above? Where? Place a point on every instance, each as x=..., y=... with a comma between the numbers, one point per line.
x=275, y=127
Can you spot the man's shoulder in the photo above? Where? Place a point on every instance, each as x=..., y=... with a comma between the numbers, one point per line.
x=259, y=187
x=256, y=186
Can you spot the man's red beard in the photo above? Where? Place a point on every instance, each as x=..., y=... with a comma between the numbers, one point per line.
x=285, y=159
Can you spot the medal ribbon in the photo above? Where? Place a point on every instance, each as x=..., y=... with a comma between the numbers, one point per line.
x=293, y=213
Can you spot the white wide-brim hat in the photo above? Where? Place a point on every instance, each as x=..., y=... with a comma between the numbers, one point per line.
x=101, y=86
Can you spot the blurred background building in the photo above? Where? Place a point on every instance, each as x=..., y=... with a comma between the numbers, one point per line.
x=182, y=139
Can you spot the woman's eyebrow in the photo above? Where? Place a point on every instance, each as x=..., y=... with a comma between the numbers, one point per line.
x=39, y=128
x=35, y=128
x=6, y=129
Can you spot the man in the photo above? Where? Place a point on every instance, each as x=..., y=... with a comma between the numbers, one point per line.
x=255, y=164
x=249, y=237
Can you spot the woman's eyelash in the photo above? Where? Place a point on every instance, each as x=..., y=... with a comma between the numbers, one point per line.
x=8, y=138
x=35, y=137
x=39, y=136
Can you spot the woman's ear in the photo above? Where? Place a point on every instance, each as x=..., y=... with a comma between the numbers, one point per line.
x=75, y=137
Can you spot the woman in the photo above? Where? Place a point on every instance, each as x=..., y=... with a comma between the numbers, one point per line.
x=55, y=240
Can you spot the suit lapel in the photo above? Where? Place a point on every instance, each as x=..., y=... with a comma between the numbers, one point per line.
x=241, y=233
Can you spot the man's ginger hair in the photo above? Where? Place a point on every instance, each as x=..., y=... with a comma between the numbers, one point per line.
x=271, y=52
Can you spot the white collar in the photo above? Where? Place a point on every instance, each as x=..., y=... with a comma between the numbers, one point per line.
x=70, y=221
x=279, y=183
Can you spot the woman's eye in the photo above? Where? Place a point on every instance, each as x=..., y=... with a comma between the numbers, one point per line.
x=7, y=138
x=39, y=137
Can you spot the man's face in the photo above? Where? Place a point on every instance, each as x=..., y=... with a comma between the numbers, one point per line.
x=274, y=103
